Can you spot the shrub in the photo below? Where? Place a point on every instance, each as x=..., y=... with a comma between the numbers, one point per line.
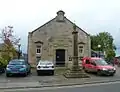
x=3, y=62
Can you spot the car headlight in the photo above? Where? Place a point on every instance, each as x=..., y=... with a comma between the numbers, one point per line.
x=7, y=68
x=104, y=69
x=23, y=69
x=114, y=68
x=23, y=66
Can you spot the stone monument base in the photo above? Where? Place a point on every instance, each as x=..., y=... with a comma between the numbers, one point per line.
x=75, y=74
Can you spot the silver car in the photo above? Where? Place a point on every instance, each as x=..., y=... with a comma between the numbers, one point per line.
x=45, y=67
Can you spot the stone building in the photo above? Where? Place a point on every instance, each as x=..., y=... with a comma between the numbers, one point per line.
x=53, y=41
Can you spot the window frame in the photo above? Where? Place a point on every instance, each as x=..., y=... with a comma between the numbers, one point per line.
x=87, y=60
x=81, y=49
x=38, y=49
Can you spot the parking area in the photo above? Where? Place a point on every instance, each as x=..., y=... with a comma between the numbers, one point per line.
x=47, y=78
x=30, y=78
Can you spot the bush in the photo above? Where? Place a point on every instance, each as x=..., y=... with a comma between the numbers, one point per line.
x=3, y=62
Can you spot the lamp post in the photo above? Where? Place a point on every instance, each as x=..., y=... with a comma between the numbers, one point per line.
x=76, y=70
x=19, y=51
x=99, y=46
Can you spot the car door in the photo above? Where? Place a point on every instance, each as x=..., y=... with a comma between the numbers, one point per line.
x=88, y=65
x=93, y=66
x=28, y=66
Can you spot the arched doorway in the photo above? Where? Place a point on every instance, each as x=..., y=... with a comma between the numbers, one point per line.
x=60, y=57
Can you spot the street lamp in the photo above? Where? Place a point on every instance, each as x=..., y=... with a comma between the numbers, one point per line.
x=99, y=46
x=19, y=50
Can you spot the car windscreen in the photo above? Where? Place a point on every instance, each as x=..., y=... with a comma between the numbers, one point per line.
x=16, y=63
x=100, y=62
x=44, y=63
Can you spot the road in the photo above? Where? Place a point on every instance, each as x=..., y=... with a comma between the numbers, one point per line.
x=43, y=80
x=103, y=87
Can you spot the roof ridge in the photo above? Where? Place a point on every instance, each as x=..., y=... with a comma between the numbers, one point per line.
x=55, y=18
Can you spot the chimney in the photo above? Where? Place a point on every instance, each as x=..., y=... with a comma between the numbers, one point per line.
x=60, y=16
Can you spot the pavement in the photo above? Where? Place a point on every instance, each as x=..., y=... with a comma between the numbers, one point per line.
x=34, y=81
x=101, y=87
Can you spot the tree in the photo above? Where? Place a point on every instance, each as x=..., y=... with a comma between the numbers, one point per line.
x=105, y=39
x=10, y=41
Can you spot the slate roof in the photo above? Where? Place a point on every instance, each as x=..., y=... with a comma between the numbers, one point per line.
x=55, y=18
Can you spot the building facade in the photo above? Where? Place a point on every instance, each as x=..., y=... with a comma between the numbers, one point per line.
x=53, y=41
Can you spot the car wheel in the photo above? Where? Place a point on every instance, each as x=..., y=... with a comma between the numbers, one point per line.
x=3, y=70
x=86, y=70
x=98, y=73
x=7, y=75
x=25, y=74
x=112, y=74
x=29, y=71
x=38, y=73
x=83, y=68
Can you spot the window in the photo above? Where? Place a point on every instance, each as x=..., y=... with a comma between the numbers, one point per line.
x=38, y=49
x=100, y=62
x=81, y=49
x=80, y=46
x=87, y=61
x=17, y=63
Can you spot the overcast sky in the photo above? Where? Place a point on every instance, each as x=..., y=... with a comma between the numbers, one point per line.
x=93, y=16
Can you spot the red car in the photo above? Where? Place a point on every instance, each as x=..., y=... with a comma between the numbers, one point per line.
x=98, y=65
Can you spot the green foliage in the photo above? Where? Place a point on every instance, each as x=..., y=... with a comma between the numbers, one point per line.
x=3, y=62
x=106, y=41
x=8, y=50
x=110, y=53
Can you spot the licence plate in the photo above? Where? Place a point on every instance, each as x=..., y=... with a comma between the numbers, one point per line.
x=46, y=67
x=15, y=70
x=111, y=71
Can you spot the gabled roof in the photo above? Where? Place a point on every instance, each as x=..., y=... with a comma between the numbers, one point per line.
x=77, y=27
x=55, y=18
x=42, y=25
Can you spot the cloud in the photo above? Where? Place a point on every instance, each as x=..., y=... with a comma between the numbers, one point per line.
x=93, y=16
